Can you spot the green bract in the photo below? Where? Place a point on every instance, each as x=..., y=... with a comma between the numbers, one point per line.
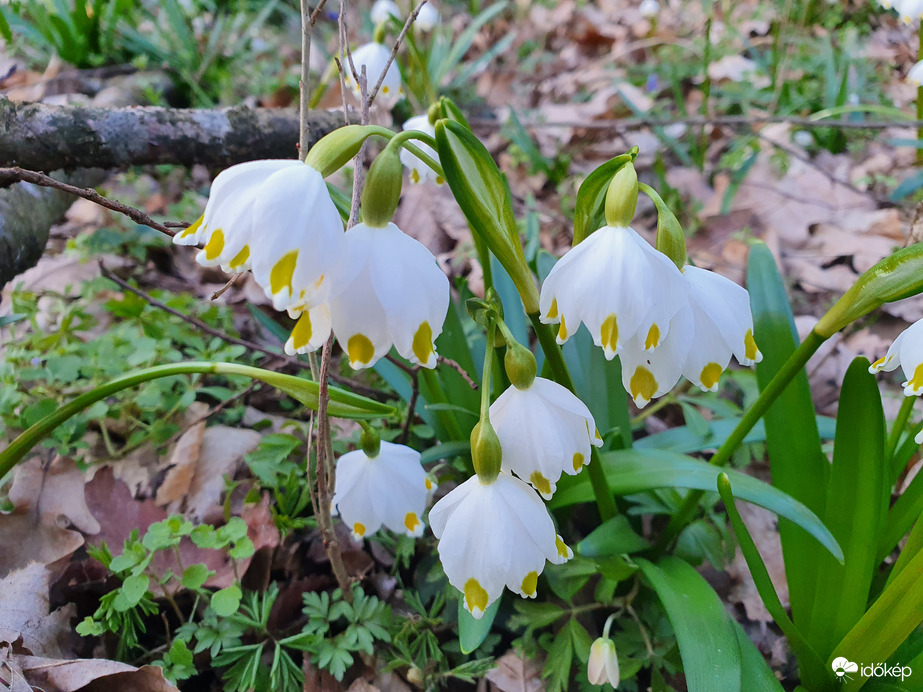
x=588, y=215
x=670, y=238
x=483, y=196
x=333, y=151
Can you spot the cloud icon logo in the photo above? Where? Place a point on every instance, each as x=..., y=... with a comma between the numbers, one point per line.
x=842, y=666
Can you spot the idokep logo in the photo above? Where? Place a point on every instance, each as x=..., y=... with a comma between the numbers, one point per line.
x=842, y=667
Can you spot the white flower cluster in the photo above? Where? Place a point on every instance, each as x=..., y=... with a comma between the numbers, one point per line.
x=908, y=10
x=662, y=322
x=374, y=287
x=499, y=533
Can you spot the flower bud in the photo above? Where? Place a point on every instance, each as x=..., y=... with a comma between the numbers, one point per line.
x=622, y=197
x=520, y=365
x=893, y=278
x=603, y=665
x=485, y=451
x=383, y=188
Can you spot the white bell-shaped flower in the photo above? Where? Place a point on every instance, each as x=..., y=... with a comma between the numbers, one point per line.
x=908, y=10
x=618, y=286
x=649, y=8
x=647, y=375
x=392, y=292
x=427, y=18
x=311, y=331
x=603, y=664
x=915, y=75
x=383, y=10
x=390, y=489
x=544, y=430
x=493, y=535
x=722, y=326
x=907, y=353
x=263, y=215
x=375, y=56
x=226, y=227
x=419, y=171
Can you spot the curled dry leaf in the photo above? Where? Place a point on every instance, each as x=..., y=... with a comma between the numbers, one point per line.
x=25, y=623
x=85, y=674
x=53, y=493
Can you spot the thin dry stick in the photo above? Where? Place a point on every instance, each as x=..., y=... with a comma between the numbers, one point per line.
x=411, y=406
x=220, y=292
x=397, y=44
x=249, y=345
x=36, y=178
x=622, y=124
x=460, y=370
x=308, y=19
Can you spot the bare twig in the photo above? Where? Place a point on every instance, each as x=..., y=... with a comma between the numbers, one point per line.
x=411, y=406
x=460, y=370
x=220, y=292
x=622, y=124
x=308, y=20
x=36, y=178
x=249, y=345
x=397, y=44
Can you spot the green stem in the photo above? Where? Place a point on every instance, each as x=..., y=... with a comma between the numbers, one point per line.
x=437, y=395
x=776, y=386
x=898, y=428
x=605, y=500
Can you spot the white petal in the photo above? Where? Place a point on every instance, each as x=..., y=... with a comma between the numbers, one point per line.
x=311, y=331
x=911, y=358
x=647, y=375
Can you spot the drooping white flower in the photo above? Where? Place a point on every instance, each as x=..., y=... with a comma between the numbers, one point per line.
x=275, y=217
x=915, y=75
x=544, y=430
x=427, y=18
x=494, y=535
x=722, y=326
x=375, y=56
x=311, y=331
x=907, y=353
x=419, y=171
x=390, y=489
x=383, y=10
x=647, y=375
x=649, y=8
x=618, y=286
x=603, y=664
x=392, y=292
x=908, y=10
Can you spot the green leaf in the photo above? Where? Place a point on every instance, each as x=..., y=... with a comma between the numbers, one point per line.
x=798, y=466
x=612, y=537
x=538, y=613
x=560, y=656
x=471, y=631
x=591, y=197
x=755, y=673
x=705, y=634
x=342, y=404
x=134, y=588
x=635, y=471
x=195, y=576
x=226, y=601
x=858, y=495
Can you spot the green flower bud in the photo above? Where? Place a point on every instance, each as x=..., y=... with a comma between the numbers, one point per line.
x=485, y=451
x=622, y=196
x=335, y=150
x=670, y=238
x=383, y=188
x=893, y=278
x=520, y=365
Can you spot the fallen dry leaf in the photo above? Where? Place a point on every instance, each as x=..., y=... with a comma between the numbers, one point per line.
x=182, y=466
x=514, y=673
x=25, y=622
x=53, y=493
x=88, y=675
x=763, y=528
x=24, y=539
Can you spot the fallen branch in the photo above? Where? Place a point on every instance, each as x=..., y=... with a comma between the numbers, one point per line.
x=45, y=137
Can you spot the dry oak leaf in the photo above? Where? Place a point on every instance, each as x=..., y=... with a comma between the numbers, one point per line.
x=25, y=622
x=514, y=673
x=52, y=493
x=88, y=675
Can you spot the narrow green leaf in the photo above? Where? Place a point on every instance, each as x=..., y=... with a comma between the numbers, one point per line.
x=635, y=471
x=755, y=673
x=856, y=504
x=683, y=440
x=704, y=631
x=471, y=631
x=795, y=459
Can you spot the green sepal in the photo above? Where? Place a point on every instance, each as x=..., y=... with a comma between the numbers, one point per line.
x=893, y=278
x=670, y=238
x=622, y=197
x=382, y=191
x=485, y=451
x=589, y=212
x=336, y=149
x=484, y=198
